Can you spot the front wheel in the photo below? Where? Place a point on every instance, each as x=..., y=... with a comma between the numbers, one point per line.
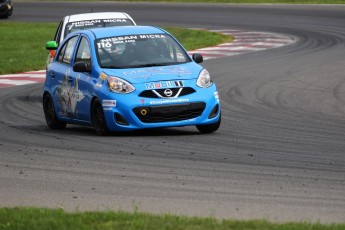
x=50, y=115
x=98, y=119
x=209, y=128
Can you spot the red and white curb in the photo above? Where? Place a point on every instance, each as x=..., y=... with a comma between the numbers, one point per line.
x=245, y=42
x=9, y=80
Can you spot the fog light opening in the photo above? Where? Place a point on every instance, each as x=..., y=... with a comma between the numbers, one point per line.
x=214, y=112
x=120, y=119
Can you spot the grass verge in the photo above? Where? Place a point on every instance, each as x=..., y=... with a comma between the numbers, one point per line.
x=22, y=45
x=34, y=218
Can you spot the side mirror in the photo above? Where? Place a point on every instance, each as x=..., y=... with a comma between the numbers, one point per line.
x=51, y=45
x=81, y=66
x=197, y=58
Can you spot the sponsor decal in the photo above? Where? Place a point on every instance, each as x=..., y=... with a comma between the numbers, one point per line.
x=102, y=77
x=157, y=71
x=99, y=84
x=216, y=95
x=169, y=101
x=130, y=37
x=163, y=84
x=144, y=36
x=115, y=20
x=95, y=22
x=109, y=103
x=109, y=42
x=69, y=97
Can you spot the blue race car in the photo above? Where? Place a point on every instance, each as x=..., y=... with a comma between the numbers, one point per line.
x=128, y=78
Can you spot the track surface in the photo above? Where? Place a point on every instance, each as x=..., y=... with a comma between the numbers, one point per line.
x=279, y=155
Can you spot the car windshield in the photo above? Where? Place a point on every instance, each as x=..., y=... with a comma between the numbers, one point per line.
x=87, y=24
x=142, y=50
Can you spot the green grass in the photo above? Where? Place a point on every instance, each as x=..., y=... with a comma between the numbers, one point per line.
x=37, y=219
x=22, y=45
x=194, y=39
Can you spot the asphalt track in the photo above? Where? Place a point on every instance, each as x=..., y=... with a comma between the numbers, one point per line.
x=279, y=154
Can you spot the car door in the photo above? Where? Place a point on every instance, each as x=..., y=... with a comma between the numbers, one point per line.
x=62, y=79
x=83, y=85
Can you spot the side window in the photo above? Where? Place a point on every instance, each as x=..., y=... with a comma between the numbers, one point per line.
x=66, y=52
x=58, y=33
x=172, y=51
x=83, y=53
x=62, y=52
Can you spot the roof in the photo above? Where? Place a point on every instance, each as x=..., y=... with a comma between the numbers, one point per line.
x=125, y=30
x=98, y=15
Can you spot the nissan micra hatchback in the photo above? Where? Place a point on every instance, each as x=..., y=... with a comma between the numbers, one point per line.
x=128, y=78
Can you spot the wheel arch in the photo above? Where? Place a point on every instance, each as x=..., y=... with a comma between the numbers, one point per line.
x=91, y=103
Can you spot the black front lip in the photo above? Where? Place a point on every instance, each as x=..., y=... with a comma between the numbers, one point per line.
x=166, y=113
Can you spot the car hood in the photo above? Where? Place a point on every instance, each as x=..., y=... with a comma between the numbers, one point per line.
x=161, y=73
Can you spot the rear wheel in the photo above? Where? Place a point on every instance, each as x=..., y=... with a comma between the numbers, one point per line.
x=98, y=119
x=209, y=128
x=50, y=115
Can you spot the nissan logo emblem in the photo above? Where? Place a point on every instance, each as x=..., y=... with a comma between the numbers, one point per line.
x=168, y=92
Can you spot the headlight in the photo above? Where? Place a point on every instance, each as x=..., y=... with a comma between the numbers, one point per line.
x=204, y=79
x=118, y=85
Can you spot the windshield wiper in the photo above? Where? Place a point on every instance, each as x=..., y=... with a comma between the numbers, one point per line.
x=140, y=65
x=149, y=65
x=114, y=67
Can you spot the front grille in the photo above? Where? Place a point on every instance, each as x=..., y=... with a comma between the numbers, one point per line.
x=159, y=93
x=165, y=113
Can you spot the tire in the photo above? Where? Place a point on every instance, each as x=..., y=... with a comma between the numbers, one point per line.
x=211, y=127
x=50, y=114
x=98, y=118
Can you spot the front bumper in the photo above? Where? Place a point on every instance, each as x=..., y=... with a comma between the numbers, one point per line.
x=132, y=113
